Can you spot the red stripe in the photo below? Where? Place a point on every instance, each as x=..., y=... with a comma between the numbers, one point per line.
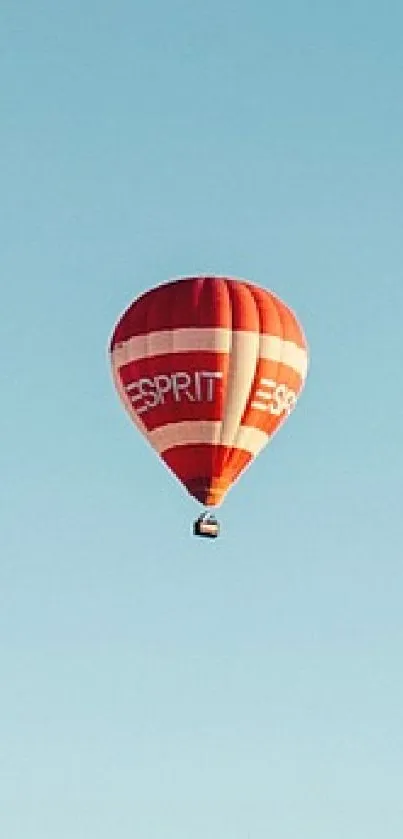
x=171, y=362
x=206, y=471
x=191, y=302
x=282, y=375
x=185, y=409
x=173, y=411
x=208, y=302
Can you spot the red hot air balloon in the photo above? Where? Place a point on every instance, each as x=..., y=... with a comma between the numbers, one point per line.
x=208, y=368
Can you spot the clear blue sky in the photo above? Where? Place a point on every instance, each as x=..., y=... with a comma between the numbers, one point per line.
x=154, y=686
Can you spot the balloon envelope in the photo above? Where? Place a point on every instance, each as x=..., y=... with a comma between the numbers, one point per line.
x=208, y=369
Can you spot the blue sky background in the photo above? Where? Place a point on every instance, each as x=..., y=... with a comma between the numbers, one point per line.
x=153, y=685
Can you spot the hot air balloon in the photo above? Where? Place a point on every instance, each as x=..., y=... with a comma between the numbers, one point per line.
x=208, y=368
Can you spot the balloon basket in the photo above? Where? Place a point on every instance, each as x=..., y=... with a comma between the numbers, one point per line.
x=207, y=526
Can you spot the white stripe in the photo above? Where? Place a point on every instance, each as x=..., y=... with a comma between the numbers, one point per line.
x=172, y=340
x=196, y=432
x=241, y=373
x=273, y=348
x=208, y=339
x=251, y=439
